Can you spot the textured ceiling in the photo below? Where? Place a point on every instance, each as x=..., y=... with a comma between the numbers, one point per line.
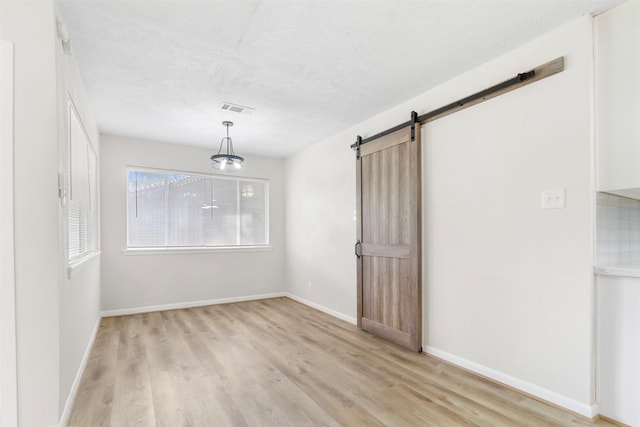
x=160, y=70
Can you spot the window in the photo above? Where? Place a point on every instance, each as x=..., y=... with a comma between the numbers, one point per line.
x=168, y=209
x=81, y=204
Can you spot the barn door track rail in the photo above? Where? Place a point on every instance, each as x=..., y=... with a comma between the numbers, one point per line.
x=522, y=79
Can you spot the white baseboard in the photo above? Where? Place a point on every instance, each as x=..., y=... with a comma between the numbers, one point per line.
x=189, y=304
x=201, y=303
x=322, y=308
x=534, y=390
x=71, y=397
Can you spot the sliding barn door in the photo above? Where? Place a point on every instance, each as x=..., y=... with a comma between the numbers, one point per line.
x=389, y=237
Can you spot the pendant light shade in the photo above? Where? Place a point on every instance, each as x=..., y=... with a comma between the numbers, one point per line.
x=226, y=160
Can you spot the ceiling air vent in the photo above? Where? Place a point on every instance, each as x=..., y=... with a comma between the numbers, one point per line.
x=235, y=108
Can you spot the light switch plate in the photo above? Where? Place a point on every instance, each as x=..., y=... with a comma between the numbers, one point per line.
x=553, y=199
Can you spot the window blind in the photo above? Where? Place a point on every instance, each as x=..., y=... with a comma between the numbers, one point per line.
x=176, y=209
x=81, y=206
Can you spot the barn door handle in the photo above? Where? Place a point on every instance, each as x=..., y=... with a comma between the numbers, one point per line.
x=357, y=248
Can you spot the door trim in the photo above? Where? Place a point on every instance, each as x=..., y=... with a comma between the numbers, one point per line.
x=8, y=367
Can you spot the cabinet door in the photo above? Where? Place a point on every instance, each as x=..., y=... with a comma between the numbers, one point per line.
x=617, y=97
x=618, y=347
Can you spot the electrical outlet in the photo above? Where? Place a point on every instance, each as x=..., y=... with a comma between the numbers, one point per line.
x=310, y=287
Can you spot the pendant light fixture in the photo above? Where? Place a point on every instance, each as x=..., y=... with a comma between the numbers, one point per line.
x=226, y=161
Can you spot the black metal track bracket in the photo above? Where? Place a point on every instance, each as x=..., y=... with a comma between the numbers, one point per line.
x=414, y=121
x=524, y=76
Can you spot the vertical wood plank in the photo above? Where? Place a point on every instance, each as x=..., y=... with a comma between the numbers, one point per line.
x=359, y=234
x=415, y=194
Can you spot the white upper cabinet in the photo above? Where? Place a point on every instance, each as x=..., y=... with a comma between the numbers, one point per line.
x=617, y=98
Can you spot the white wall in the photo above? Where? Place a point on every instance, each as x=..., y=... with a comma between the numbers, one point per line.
x=31, y=26
x=79, y=293
x=508, y=286
x=55, y=316
x=320, y=229
x=138, y=281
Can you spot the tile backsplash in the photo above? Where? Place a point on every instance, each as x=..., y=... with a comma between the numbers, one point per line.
x=618, y=230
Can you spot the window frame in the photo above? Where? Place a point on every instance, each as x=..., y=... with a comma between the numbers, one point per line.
x=147, y=250
x=93, y=188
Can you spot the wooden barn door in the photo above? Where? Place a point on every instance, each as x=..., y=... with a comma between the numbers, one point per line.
x=389, y=237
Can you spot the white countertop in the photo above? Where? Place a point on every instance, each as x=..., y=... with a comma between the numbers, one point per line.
x=626, y=270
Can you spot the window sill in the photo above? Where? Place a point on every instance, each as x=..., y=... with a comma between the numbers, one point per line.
x=195, y=250
x=79, y=264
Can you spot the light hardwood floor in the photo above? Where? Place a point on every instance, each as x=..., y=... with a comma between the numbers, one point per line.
x=279, y=363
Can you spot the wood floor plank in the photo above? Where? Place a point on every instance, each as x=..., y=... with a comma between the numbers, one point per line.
x=132, y=398
x=279, y=363
x=92, y=406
